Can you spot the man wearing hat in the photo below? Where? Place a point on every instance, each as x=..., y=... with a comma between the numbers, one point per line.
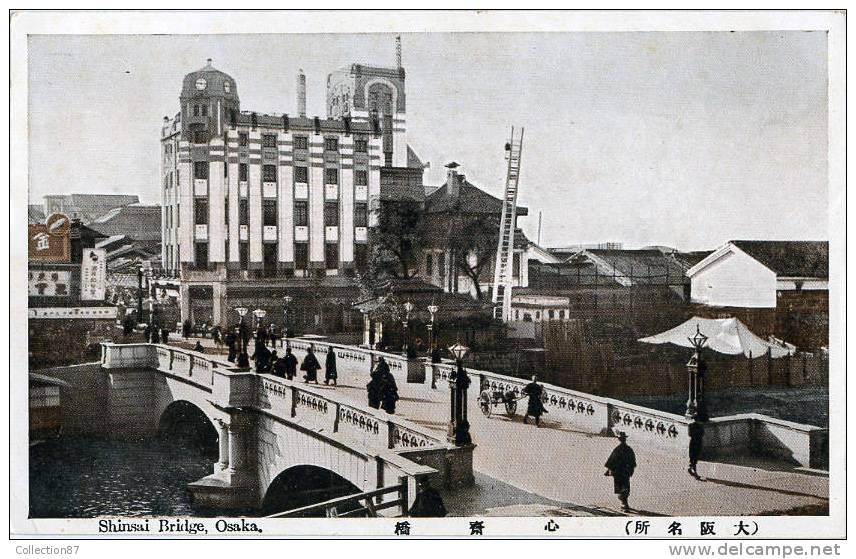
x=620, y=466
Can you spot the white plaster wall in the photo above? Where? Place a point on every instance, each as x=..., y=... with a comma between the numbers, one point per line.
x=735, y=280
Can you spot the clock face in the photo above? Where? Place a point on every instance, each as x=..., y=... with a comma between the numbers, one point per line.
x=201, y=83
x=227, y=87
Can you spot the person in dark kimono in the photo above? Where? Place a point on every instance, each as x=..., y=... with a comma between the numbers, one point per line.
x=215, y=335
x=231, y=343
x=310, y=365
x=696, y=433
x=375, y=385
x=278, y=366
x=330, y=367
x=620, y=465
x=262, y=358
x=155, y=334
x=165, y=335
x=273, y=334
x=147, y=333
x=199, y=347
x=388, y=393
x=428, y=502
x=535, y=407
x=185, y=329
x=243, y=360
x=290, y=364
x=261, y=335
x=128, y=325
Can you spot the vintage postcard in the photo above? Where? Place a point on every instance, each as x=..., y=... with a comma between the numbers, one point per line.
x=428, y=274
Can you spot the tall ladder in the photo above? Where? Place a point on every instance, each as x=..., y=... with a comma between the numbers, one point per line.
x=502, y=270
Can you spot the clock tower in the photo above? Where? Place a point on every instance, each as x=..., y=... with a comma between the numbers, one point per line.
x=209, y=103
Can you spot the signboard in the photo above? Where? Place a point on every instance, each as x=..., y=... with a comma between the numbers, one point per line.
x=93, y=274
x=50, y=242
x=49, y=283
x=106, y=313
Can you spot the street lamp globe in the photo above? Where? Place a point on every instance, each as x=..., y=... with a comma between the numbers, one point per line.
x=459, y=351
x=287, y=299
x=432, y=308
x=241, y=311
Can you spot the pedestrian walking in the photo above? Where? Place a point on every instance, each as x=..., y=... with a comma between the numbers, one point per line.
x=278, y=365
x=535, y=407
x=261, y=357
x=128, y=325
x=165, y=335
x=389, y=393
x=428, y=502
x=215, y=335
x=696, y=433
x=199, y=347
x=231, y=342
x=243, y=360
x=185, y=328
x=375, y=386
x=155, y=334
x=147, y=333
x=290, y=364
x=330, y=367
x=620, y=465
x=310, y=365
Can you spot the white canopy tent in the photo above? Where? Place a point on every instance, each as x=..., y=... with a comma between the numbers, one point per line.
x=724, y=335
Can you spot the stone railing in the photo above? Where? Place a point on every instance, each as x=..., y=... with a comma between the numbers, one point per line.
x=369, y=427
x=360, y=361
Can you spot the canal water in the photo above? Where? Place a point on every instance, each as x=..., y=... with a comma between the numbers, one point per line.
x=88, y=477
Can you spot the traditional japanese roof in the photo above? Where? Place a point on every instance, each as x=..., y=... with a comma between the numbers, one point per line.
x=137, y=222
x=634, y=267
x=92, y=206
x=805, y=259
x=470, y=200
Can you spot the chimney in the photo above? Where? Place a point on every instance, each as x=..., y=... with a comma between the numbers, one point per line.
x=301, y=94
x=453, y=180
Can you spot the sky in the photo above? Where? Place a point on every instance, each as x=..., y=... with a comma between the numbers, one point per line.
x=682, y=139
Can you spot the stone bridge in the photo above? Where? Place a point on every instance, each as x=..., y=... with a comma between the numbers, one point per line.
x=267, y=425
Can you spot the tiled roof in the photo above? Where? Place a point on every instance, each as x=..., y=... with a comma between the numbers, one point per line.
x=471, y=200
x=790, y=258
x=140, y=223
x=92, y=206
x=643, y=267
x=436, y=230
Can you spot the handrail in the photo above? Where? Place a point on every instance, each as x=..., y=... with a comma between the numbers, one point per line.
x=401, y=489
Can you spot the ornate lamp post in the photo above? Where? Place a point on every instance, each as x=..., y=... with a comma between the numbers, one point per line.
x=140, y=292
x=432, y=309
x=259, y=314
x=408, y=306
x=286, y=300
x=459, y=381
x=241, y=312
x=696, y=408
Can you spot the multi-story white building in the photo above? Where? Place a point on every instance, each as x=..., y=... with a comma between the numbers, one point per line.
x=256, y=205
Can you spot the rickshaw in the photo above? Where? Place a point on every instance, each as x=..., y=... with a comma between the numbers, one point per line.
x=489, y=399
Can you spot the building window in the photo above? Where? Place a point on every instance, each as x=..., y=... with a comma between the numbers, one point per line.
x=331, y=214
x=269, y=173
x=226, y=169
x=204, y=110
x=301, y=214
x=441, y=264
x=200, y=211
x=331, y=144
x=269, y=140
x=226, y=213
x=429, y=264
x=201, y=255
x=200, y=137
x=200, y=170
x=244, y=255
x=269, y=212
x=195, y=110
x=361, y=145
x=301, y=256
x=301, y=174
x=243, y=139
x=331, y=256
x=269, y=253
x=242, y=172
x=301, y=142
x=360, y=256
x=361, y=178
x=244, y=212
x=331, y=176
x=550, y=314
x=177, y=216
x=361, y=217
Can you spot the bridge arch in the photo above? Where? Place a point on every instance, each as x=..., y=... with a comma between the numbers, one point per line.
x=304, y=484
x=187, y=421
